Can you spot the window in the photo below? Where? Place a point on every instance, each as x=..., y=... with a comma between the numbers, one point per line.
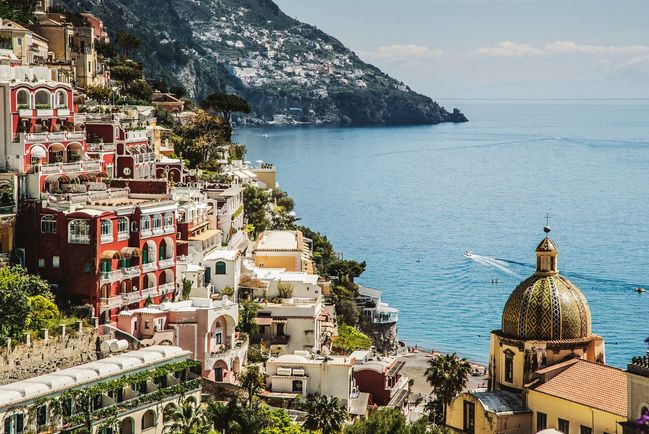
x=14, y=424
x=218, y=338
x=219, y=268
x=43, y=99
x=218, y=374
x=157, y=222
x=122, y=228
x=148, y=420
x=22, y=99
x=208, y=276
x=469, y=416
x=145, y=225
x=106, y=231
x=87, y=267
x=585, y=430
x=68, y=407
x=509, y=366
x=48, y=224
x=56, y=261
x=79, y=232
x=105, y=266
x=61, y=99
x=564, y=426
x=41, y=415
x=297, y=386
x=169, y=220
x=41, y=263
x=541, y=421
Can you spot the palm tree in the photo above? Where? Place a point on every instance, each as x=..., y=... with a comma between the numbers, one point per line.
x=189, y=418
x=252, y=381
x=325, y=414
x=447, y=374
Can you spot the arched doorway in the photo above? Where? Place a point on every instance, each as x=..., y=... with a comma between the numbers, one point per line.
x=127, y=426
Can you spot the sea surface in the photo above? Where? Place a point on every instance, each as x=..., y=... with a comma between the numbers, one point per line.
x=410, y=200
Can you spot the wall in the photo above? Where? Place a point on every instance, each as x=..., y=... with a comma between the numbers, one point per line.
x=278, y=260
x=487, y=422
x=638, y=394
x=42, y=357
x=601, y=422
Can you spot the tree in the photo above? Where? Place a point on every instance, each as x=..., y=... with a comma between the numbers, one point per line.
x=325, y=413
x=127, y=41
x=16, y=287
x=349, y=339
x=255, y=206
x=100, y=94
x=247, y=314
x=187, y=288
x=189, y=418
x=125, y=73
x=385, y=421
x=252, y=381
x=21, y=11
x=447, y=374
x=234, y=418
x=226, y=104
x=139, y=90
x=165, y=118
x=42, y=312
x=202, y=137
x=105, y=49
x=282, y=199
x=280, y=423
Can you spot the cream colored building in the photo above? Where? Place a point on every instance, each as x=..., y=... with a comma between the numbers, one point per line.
x=302, y=374
x=637, y=392
x=33, y=405
x=28, y=47
x=289, y=250
x=547, y=358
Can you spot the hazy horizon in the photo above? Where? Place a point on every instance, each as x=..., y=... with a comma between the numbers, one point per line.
x=452, y=49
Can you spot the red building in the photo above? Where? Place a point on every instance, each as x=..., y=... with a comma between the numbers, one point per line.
x=40, y=136
x=381, y=377
x=106, y=248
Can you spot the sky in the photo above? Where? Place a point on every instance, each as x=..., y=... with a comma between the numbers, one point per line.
x=495, y=48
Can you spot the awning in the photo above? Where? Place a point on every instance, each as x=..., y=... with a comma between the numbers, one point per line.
x=280, y=321
x=84, y=176
x=110, y=254
x=129, y=252
x=263, y=321
x=58, y=178
x=100, y=174
x=37, y=152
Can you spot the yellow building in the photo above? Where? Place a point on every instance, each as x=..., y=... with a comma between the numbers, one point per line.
x=289, y=250
x=546, y=338
x=637, y=392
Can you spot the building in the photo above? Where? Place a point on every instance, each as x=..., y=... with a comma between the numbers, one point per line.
x=381, y=378
x=637, y=394
x=106, y=247
x=27, y=47
x=578, y=397
x=546, y=366
x=159, y=377
x=284, y=249
x=204, y=327
x=300, y=375
x=372, y=308
x=168, y=102
x=229, y=206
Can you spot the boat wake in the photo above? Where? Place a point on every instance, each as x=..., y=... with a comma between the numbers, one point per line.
x=489, y=261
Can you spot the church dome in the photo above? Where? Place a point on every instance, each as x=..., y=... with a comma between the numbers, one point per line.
x=546, y=306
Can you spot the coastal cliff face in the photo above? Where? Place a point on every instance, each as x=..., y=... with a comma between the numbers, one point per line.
x=251, y=48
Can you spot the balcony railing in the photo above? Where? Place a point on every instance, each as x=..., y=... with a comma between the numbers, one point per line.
x=79, y=239
x=279, y=340
x=144, y=158
x=166, y=263
x=166, y=288
x=135, y=296
x=131, y=271
x=107, y=238
x=101, y=147
x=169, y=229
x=55, y=136
x=78, y=166
x=111, y=302
x=121, y=236
x=149, y=266
x=110, y=276
x=136, y=136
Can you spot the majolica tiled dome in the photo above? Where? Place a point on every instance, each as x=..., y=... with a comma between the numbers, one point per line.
x=546, y=306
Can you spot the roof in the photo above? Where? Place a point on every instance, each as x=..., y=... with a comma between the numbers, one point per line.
x=591, y=384
x=358, y=405
x=205, y=235
x=228, y=255
x=32, y=388
x=501, y=401
x=369, y=292
x=278, y=240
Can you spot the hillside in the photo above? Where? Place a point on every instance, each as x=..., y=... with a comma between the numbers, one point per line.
x=250, y=47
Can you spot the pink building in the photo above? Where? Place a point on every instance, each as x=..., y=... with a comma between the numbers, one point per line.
x=203, y=326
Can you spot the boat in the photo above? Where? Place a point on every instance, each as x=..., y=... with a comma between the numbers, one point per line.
x=468, y=253
x=639, y=290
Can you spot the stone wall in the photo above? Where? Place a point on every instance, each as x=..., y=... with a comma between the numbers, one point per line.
x=384, y=336
x=48, y=353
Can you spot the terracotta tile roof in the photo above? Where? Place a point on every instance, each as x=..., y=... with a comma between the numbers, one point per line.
x=591, y=384
x=557, y=366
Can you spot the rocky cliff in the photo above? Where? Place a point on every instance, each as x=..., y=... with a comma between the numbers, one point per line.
x=288, y=70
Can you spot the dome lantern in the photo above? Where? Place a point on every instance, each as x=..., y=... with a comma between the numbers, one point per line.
x=546, y=256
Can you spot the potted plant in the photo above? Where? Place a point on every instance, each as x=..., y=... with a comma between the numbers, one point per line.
x=285, y=290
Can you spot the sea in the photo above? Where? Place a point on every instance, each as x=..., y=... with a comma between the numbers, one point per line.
x=411, y=200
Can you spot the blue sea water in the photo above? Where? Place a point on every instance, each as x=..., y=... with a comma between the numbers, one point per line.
x=411, y=200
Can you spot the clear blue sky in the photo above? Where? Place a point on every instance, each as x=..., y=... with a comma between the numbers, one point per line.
x=495, y=48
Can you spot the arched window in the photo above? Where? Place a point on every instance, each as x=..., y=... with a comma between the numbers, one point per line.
x=79, y=232
x=22, y=99
x=145, y=225
x=509, y=366
x=167, y=412
x=220, y=268
x=43, y=99
x=148, y=420
x=106, y=231
x=61, y=99
x=157, y=222
x=122, y=228
x=48, y=224
x=169, y=220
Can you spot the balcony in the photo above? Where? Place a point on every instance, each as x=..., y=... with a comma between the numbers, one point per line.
x=79, y=166
x=136, y=296
x=169, y=229
x=136, y=136
x=167, y=288
x=25, y=113
x=110, y=276
x=55, y=136
x=101, y=147
x=111, y=302
x=63, y=111
x=44, y=112
x=279, y=340
x=79, y=239
x=166, y=263
x=149, y=266
x=144, y=158
x=131, y=271
x=146, y=233
x=121, y=236
x=106, y=238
